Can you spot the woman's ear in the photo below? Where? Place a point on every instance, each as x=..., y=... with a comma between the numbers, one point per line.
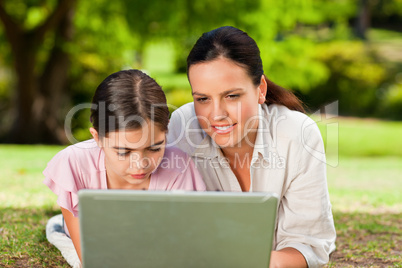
x=262, y=90
x=95, y=135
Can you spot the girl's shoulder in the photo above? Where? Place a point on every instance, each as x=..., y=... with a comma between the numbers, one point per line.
x=83, y=156
x=174, y=162
x=176, y=172
x=174, y=159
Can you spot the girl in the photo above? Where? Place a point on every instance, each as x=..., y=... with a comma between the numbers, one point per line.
x=130, y=117
x=248, y=134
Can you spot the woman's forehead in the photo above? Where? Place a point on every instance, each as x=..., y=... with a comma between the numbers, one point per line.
x=220, y=71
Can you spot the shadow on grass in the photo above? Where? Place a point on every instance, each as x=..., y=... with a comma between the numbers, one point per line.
x=364, y=240
x=367, y=240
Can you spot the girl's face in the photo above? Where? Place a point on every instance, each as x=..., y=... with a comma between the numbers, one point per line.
x=131, y=156
x=226, y=101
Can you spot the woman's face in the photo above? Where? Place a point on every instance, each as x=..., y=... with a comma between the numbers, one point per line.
x=226, y=101
x=131, y=156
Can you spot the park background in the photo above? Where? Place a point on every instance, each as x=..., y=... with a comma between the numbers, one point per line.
x=343, y=58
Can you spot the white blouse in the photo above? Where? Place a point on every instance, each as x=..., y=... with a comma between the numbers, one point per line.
x=288, y=159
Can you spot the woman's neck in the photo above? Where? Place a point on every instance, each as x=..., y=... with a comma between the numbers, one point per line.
x=244, y=149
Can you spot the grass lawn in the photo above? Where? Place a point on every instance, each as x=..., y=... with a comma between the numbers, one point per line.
x=364, y=183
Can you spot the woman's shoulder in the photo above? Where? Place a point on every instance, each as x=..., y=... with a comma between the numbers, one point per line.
x=185, y=111
x=184, y=117
x=288, y=123
x=184, y=129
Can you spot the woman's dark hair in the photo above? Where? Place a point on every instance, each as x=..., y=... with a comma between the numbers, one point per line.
x=236, y=45
x=126, y=100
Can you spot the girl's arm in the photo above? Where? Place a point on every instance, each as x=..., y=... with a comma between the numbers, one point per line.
x=287, y=257
x=73, y=227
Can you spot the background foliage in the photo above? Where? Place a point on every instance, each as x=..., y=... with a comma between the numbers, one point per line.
x=346, y=50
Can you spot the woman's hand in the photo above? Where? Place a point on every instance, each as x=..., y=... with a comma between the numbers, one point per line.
x=287, y=257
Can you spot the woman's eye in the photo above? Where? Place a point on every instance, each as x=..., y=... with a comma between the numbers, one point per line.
x=203, y=99
x=123, y=153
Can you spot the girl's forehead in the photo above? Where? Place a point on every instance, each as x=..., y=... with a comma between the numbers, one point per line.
x=147, y=135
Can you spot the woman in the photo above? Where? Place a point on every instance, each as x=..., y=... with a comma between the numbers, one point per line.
x=247, y=134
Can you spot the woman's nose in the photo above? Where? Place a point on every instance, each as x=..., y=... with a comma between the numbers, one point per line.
x=219, y=111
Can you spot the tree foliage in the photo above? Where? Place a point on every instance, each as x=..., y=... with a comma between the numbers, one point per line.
x=57, y=51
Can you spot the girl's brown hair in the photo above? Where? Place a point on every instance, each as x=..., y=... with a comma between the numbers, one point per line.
x=126, y=100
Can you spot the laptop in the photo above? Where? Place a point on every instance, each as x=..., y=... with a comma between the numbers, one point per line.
x=128, y=228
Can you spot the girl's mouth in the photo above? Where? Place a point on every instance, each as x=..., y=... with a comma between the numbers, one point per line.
x=138, y=176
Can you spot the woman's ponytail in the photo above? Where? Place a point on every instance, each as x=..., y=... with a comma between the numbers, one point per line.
x=278, y=95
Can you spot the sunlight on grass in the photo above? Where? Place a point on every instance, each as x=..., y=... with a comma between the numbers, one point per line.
x=364, y=188
x=22, y=167
x=365, y=137
x=366, y=184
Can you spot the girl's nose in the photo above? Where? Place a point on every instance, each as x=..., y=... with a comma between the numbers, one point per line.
x=139, y=161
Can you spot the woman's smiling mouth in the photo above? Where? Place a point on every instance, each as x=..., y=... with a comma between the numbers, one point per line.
x=223, y=129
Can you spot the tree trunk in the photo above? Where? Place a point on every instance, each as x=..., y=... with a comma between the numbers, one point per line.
x=53, y=84
x=363, y=19
x=24, y=64
x=39, y=96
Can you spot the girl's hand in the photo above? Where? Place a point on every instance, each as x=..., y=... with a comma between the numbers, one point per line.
x=73, y=226
x=287, y=257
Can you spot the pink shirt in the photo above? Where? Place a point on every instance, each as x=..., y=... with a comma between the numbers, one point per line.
x=82, y=166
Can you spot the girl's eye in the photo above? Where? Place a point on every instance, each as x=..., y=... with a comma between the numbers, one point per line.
x=233, y=96
x=155, y=149
x=123, y=153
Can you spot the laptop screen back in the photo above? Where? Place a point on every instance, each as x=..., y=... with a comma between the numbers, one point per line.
x=121, y=228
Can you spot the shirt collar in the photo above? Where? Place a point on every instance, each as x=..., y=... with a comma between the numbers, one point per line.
x=209, y=149
x=262, y=140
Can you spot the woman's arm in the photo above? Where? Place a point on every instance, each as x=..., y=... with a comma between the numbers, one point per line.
x=287, y=257
x=305, y=220
x=74, y=229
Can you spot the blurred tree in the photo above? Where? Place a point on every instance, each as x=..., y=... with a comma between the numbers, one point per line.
x=52, y=65
x=363, y=19
x=39, y=88
x=385, y=14
x=103, y=43
x=288, y=32
x=54, y=68
x=354, y=80
x=183, y=21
